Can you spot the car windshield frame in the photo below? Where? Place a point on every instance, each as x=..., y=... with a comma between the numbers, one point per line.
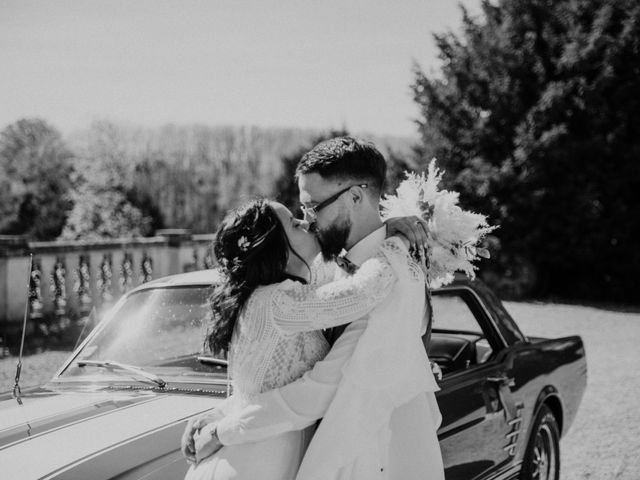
x=212, y=370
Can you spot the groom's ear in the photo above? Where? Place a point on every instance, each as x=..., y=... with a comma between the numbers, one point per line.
x=357, y=195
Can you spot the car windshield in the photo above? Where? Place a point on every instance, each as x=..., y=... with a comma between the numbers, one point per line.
x=161, y=331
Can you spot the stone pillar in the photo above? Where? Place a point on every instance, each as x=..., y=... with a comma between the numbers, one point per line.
x=175, y=239
x=14, y=266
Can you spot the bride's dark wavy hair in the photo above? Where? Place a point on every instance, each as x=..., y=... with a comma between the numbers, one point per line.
x=252, y=249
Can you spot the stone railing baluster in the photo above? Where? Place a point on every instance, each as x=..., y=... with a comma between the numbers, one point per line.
x=83, y=285
x=59, y=287
x=126, y=273
x=147, y=267
x=105, y=279
x=35, y=290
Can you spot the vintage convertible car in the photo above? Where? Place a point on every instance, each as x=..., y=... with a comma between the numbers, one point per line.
x=118, y=406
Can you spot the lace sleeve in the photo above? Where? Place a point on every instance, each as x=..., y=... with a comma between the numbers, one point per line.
x=297, y=308
x=322, y=272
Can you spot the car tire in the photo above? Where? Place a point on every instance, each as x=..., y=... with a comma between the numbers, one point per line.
x=542, y=456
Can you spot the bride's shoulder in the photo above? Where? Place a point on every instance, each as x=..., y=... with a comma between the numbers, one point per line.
x=272, y=292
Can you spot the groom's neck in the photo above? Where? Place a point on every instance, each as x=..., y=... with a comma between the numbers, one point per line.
x=363, y=226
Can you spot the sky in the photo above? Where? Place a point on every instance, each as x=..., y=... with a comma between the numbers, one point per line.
x=287, y=63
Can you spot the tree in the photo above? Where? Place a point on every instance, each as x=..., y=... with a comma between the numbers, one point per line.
x=106, y=204
x=100, y=214
x=35, y=180
x=536, y=117
x=397, y=166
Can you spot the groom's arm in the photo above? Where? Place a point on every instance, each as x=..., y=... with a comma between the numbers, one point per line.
x=296, y=405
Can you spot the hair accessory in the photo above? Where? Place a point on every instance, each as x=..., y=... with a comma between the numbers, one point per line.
x=246, y=245
x=247, y=249
x=243, y=243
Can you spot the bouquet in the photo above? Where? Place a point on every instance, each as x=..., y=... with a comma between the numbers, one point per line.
x=454, y=234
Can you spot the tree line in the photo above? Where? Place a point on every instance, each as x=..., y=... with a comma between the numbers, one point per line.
x=112, y=181
x=534, y=114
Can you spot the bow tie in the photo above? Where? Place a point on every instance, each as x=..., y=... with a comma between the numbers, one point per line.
x=345, y=264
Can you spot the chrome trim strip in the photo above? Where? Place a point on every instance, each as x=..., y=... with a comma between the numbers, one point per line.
x=80, y=461
x=76, y=422
x=511, y=473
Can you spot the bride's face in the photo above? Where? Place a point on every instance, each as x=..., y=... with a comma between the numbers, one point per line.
x=301, y=240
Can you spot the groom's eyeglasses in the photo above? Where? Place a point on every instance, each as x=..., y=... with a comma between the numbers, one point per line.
x=311, y=213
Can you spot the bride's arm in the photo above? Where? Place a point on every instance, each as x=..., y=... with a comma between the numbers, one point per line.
x=297, y=308
x=295, y=405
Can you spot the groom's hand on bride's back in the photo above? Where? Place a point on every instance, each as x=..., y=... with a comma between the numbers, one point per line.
x=206, y=442
x=187, y=443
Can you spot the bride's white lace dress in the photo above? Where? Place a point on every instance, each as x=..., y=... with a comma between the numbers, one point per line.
x=277, y=338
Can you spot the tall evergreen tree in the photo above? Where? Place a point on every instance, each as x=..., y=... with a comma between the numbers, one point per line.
x=536, y=117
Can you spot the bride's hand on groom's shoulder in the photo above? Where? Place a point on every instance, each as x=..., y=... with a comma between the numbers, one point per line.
x=412, y=228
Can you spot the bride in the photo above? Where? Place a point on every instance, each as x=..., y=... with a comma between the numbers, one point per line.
x=268, y=314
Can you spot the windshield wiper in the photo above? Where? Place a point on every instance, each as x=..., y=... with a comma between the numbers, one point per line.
x=212, y=360
x=123, y=366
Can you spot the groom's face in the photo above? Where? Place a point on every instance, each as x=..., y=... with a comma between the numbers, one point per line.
x=331, y=224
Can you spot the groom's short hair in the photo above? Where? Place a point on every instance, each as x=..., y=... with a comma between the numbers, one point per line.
x=346, y=158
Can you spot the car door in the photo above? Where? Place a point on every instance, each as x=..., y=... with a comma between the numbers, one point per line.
x=479, y=415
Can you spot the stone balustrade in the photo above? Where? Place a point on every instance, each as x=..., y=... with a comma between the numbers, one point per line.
x=68, y=279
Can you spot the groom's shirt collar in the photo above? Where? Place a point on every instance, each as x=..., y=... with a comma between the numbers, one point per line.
x=366, y=248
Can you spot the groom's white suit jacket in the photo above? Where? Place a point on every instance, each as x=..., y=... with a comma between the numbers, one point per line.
x=410, y=445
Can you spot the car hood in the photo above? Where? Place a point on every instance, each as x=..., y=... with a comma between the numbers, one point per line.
x=96, y=434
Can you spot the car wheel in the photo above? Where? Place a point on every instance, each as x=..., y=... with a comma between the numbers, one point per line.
x=542, y=457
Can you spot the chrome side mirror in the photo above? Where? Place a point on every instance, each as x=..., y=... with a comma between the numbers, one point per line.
x=437, y=371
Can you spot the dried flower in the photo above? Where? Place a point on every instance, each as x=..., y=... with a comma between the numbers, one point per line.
x=454, y=235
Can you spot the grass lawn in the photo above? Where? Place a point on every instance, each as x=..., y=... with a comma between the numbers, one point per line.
x=604, y=441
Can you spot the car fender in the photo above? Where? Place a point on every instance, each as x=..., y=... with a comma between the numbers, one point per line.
x=548, y=395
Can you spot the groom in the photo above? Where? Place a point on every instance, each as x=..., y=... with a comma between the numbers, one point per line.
x=340, y=183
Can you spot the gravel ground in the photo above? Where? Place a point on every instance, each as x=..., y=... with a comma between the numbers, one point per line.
x=36, y=369
x=603, y=442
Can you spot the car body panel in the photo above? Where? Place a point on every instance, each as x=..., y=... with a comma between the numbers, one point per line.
x=535, y=371
x=105, y=428
x=82, y=432
x=472, y=432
